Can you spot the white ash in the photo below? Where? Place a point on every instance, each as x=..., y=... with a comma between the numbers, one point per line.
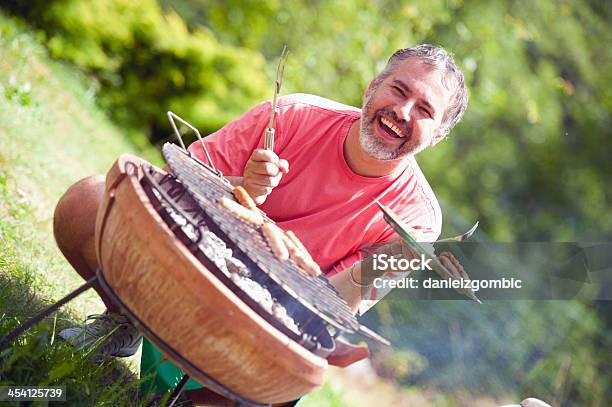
x=263, y=297
x=216, y=250
x=279, y=311
x=236, y=266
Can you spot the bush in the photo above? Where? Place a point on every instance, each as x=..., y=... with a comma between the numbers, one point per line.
x=146, y=62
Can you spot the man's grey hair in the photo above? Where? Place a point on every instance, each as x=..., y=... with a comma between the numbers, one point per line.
x=438, y=58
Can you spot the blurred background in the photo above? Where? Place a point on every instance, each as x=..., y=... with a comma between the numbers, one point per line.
x=530, y=160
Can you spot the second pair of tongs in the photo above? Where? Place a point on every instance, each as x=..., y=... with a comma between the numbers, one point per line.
x=403, y=231
x=269, y=134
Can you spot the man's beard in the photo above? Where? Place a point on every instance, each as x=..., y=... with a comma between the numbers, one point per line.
x=371, y=142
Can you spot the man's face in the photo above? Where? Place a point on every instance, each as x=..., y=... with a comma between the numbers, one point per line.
x=402, y=114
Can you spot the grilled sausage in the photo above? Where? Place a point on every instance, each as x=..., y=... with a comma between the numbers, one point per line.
x=250, y=216
x=301, y=257
x=299, y=244
x=274, y=236
x=294, y=251
x=244, y=198
x=310, y=265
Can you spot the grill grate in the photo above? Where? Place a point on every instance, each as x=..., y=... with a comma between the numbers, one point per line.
x=315, y=293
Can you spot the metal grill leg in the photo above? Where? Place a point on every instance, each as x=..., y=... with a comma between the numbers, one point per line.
x=176, y=393
x=46, y=312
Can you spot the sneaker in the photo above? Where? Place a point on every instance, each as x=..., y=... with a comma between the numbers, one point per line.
x=109, y=335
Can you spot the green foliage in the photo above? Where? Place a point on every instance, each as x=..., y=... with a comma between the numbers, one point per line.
x=398, y=364
x=529, y=154
x=20, y=93
x=147, y=62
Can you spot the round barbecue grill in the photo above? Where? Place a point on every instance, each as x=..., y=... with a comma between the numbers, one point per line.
x=205, y=287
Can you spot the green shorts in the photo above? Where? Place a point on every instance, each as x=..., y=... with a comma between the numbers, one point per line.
x=160, y=374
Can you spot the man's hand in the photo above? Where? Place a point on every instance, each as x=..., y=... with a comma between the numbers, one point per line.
x=262, y=174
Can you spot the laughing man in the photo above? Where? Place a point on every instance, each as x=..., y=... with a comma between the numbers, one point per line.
x=330, y=165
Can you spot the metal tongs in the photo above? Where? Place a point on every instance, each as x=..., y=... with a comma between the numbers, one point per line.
x=269, y=134
x=402, y=230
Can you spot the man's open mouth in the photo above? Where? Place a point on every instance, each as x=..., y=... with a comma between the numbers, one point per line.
x=390, y=128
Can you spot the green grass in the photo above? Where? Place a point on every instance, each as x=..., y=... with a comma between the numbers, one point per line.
x=51, y=135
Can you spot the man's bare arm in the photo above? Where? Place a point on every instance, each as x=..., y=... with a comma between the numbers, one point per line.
x=350, y=291
x=352, y=284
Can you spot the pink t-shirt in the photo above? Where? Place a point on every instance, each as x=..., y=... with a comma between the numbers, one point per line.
x=330, y=208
